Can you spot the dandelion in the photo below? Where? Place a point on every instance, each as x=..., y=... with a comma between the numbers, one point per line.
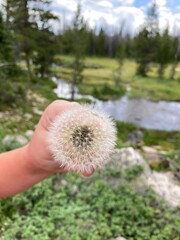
x=82, y=139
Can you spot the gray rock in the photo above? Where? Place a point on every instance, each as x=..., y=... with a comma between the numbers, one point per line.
x=165, y=187
x=127, y=158
x=75, y=189
x=29, y=134
x=37, y=111
x=15, y=138
x=151, y=154
x=120, y=238
x=28, y=116
x=162, y=183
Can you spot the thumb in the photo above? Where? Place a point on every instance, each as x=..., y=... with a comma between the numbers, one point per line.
x=54, y=109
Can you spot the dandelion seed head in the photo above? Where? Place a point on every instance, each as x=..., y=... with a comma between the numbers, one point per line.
x=82, y=139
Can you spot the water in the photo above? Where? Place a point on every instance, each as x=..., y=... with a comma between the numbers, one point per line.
x=162, y=115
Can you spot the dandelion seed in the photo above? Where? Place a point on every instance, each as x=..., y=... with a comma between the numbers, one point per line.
x=82, y=138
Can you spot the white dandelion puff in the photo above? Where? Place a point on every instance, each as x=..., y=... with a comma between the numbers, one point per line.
x=82, y=139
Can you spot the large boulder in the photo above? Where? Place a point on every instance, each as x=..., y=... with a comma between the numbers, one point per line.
x=162, y=183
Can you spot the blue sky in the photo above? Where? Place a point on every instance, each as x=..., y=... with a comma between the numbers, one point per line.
x=111, y=13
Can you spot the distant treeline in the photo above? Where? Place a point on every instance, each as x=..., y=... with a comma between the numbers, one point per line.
x=27, y=36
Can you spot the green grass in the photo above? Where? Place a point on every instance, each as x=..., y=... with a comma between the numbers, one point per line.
x=102, y=71
x=168, y=140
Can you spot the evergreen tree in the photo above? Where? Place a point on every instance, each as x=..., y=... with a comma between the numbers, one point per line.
x=27, y=20
x=101, y=43
x=142, y=52
x=46, y=44
x=78, y=49
x=10, y=89
x=5, y=46
x=145, y=42
x=91, y=43
x=120, y=55
x=164, y=52
x=175, y=56
x=18, y=19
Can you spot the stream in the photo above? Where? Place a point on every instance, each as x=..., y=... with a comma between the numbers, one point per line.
x=162, y=115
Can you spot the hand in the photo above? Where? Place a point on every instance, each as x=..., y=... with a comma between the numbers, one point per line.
x=38, y=153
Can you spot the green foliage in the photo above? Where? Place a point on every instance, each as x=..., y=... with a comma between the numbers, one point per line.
x=46, y=43
x=2, y=133
x=101, y=43
x=174, y=157
x=5, y=46
x=131, y=173
x=143, y=52
x=69, y=64
x=78, y=48
x=145, y=44
x=45, y=88
x=167, y=140
x=11, y=89
x=46, y=48
x=4, y=147
x=86, y=209
x=165, y=51
x=140, y=87
x=106, y=92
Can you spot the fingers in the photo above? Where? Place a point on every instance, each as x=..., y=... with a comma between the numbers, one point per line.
x=55, y=108
x=87, y=174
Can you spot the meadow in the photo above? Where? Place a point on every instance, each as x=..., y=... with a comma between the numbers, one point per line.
x=100, y=72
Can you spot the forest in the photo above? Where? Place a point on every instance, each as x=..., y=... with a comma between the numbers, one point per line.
x=30, y=46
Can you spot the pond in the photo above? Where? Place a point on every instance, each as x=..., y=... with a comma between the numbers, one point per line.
x=162, y=115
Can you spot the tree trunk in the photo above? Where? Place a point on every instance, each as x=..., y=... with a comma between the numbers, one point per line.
x=173, y=71
x=161, y=71
x=118, y=79
x=74, y=82
x=28, y=65
x=142, y=69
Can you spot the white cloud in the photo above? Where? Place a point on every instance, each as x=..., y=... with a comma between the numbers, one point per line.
x=131, y=17
x=107, y=4
x=111, y=14
x=70, y=5
x=160, y=2
x=126, y=2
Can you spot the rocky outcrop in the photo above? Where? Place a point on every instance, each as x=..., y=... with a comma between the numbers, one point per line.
x=162, y=183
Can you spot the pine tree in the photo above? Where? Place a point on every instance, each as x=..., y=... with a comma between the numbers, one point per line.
x=142, y=52
x=120, y=54
x=18, y=20
x=145, y=44
x=5, y=44
x=175, y=56
x=10, y=90
x=101, y=42
x=164, y=51
x=91, y=43
x=46, y=43
x=27, y=20
x=78, y=48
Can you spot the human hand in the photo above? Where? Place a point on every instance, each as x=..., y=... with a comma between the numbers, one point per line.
x=39, y=157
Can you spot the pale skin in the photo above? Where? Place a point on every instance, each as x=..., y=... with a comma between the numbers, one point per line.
x=22, y=168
